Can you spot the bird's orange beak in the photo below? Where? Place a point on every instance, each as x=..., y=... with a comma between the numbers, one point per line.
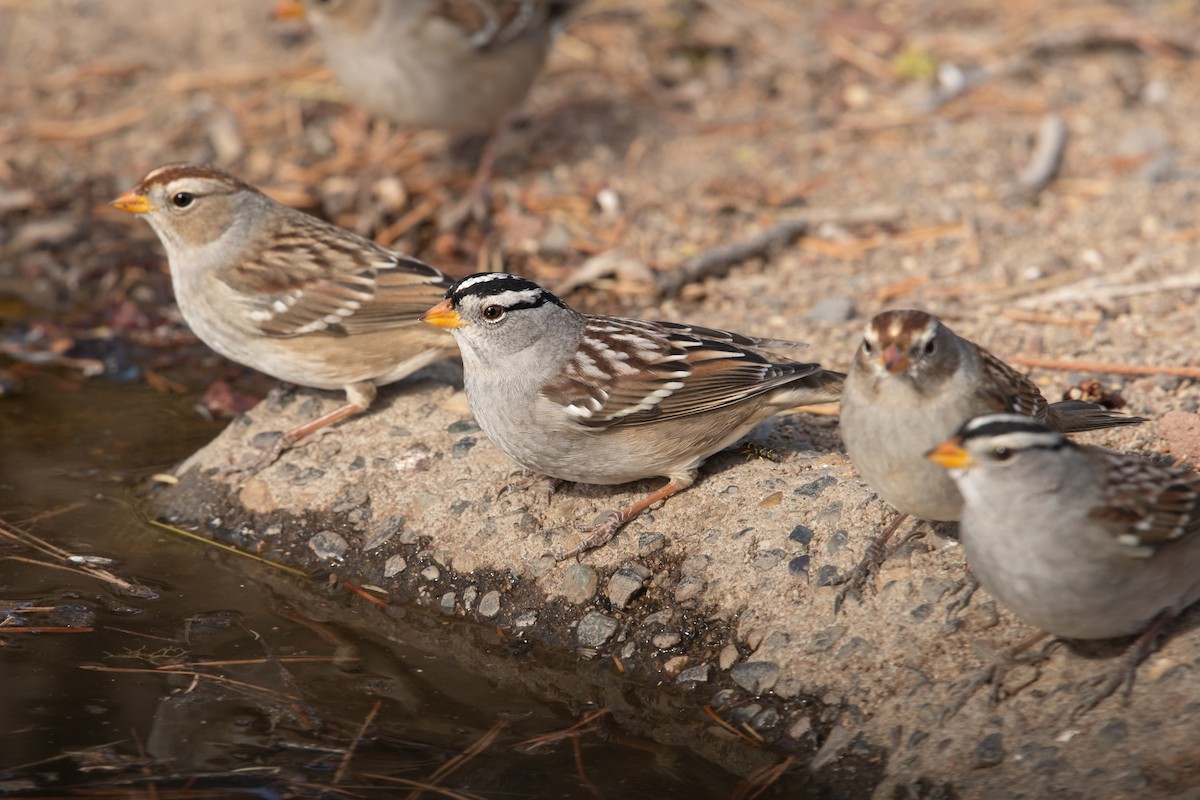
x=893, y=359
x=287, y=9
x=443, y=315
x=951, y=455
x=134, y=202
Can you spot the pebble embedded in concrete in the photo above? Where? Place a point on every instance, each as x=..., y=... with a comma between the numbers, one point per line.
x=489, y=606
x=394, y=566
x=594, y=629
x=755, y=677
x=696, y=674
x=579, y=583
x=688, y=589
x=447, y=603
x=625, y=583
x=431, y=573
x=989, y=752
x=666, y=640
x=526, y=620
x=329, y=545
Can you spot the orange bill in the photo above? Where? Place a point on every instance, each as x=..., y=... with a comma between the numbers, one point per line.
x=133, y=202
x=951, y=455
x=443, y=315
x=288, y=9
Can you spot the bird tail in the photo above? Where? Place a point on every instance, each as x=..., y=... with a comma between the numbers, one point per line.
x=1073, y=416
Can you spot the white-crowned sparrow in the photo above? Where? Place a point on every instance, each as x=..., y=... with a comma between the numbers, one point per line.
x=286, y=293
x=1079, y=541
x=913, y=381
x=610, y=400
x=458, y=65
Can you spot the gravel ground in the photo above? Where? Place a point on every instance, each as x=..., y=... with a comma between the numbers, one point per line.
x=661, y=130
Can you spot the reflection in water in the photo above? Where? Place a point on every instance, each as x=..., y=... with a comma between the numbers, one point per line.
x=300, y=670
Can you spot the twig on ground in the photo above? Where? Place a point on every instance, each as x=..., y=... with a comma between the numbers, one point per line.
x=481, y=744
x=1085, y=290
x=1047, y=157
x=578, y=729
x=1096, y=366
x=716, y=261
x=762, y=779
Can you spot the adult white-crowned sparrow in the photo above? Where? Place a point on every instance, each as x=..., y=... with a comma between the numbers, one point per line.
x=286, y=293
x=610, y=400
x=1079, y=541
x=460, y=65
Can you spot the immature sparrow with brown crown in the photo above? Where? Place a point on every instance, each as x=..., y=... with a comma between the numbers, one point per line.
x=913, y=381
x=460, y=65
x=1079, y=541
x=286, y=293
x=610, y=400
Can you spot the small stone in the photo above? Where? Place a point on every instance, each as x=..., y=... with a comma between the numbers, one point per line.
x=676, y=665
x=447, y=602
x=697, y=674
x=800, y=728
x=468, y=597
x=837, y=542
x=489, y=606
x=765, y=720
x=459, y=506
x=666, y=640
x=625, y=583
x=410, y=537
x=768, y=560
x=329, y=545
x=628, y=649
x=594, y=630
x=828, y=576
x=728, y=656
x=308, y=476
x=801, y=534
x=989, y=752
x=463, y=426
x=921, y=612
x=825, y=640
x=694, y=565
x=743, y=714
x=384, y=532
x=832, y=309
x=798, y=566
x=650, y=542
x=1018, y=677
x=431, y=573
x=526, y=620
x=755, y=677
x=462, y=447
x=814, y=488
x=662, y=617
x=579, y=583
x=394, y=566
x=688, y=589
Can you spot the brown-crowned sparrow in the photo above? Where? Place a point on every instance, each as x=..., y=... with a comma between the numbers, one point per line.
x=459, y=65
x=1079, y=541
x=286, y=293
x=610, y=400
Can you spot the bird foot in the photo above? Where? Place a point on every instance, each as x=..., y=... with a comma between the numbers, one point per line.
x=992, y=673
x=866, y=569
x=603, y=530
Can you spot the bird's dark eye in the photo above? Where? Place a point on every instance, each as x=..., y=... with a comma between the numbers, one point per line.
x=868, y=348
x=1001, y=454
x=493, y=312
x=182, y=199
x=930, y=347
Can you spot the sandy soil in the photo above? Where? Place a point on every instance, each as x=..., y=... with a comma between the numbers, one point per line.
x=706, y=123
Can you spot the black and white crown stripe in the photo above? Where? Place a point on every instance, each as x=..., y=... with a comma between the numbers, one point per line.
x=509, y=291
x=1014, y=431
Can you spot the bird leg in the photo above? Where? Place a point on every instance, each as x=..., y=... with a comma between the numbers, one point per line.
x=359, y=397
x=871, y=561
x=471, y=204
x=992, y=673
x=966, y=589
x=607, y=524
x=1126, y=669
x=525, y=481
